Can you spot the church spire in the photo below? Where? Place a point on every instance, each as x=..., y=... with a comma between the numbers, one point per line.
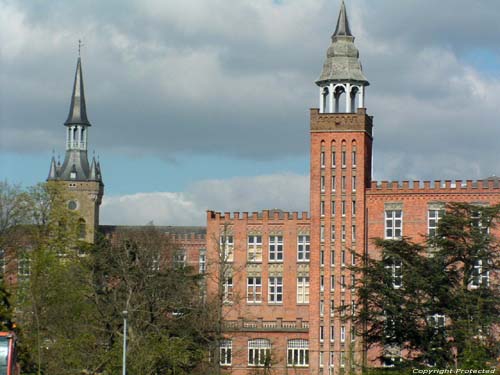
x=77, y=110
x=343, y=28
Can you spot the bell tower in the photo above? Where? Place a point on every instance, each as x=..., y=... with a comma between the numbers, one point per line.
x=341, y=154
x=82, y=183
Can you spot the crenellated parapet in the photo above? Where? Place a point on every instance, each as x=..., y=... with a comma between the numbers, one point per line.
x=439, y=186
x=265, y=215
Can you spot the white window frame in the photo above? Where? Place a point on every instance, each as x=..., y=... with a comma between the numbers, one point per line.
x=228, y=289
x=353, y=158
x=227, y=247
x=334, y=181
x=322, y=159
x=303, y=289
x=322, y=208
x=276, y=249
x=303, y=247
x=479, y=275
x=342, y=333
x=322, y=183
x=275, y=290
x=433, y=218
x=254, y=289
x=298, y=353
x=332, y=332
x=254, y=248
x=396, y=268
x=393, y=224
x=202, y=263
x=226, y=352
x=259, y=352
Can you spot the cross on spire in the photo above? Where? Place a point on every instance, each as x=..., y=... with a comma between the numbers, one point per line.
x=80, y=45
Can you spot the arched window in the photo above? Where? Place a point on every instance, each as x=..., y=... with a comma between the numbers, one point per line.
x=259, y=352
x=338, y=91
x=298, y=353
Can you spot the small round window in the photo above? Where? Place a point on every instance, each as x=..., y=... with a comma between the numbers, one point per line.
x=72, y=205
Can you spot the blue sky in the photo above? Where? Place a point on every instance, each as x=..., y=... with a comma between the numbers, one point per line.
x=204, y=104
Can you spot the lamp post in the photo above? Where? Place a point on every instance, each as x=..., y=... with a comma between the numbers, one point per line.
x=124, y=365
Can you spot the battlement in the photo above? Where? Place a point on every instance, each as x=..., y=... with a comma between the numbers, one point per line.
x=265, y=215
x=189, y=237
x=446, y=186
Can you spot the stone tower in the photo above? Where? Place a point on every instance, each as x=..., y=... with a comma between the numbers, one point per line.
x=82, y=183
x=341, y=153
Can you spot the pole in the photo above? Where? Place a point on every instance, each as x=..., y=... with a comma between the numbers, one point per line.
x=124, y=367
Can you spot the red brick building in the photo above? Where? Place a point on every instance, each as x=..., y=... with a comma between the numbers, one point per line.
x=285, y=275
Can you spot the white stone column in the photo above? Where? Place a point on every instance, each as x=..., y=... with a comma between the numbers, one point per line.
x=321, y=101
x=348, y=97
x=362, y=97
x=332, y=99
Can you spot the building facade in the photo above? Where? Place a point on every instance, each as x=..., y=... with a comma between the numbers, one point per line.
x=287, y=279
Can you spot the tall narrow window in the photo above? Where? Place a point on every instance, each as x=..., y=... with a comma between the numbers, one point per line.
x=343, y=159
x=343, y=232
x=353, y=183
x=228, y=289
x=322, y=283
x=353, y=208
x=332, y=257
x=302, y=289
x=334, y=164
x=332, y=282
x=322, y=180
x=353, y=157
x=226, y=248
x=303, y=248
x=353, y=281
x=343, y=183
x=353, y=232
x=342, y=282
x=342, y=334
x=259, y=352
x=333, y=232
x=332, y=333
x=254, y=289
x=254, y=248
x=226, y=349
x=322, y=159
x=298, y=353
x=276, y=248
x=321, y=307
x=322, y=208
x=343, y=208
x=480, y=275
x=321, y=333
x=322, y=258
x=333, y=208
x=332, y=307
x=322, y=233
x=393, y=224
x=320, y=359
x=434, y=216
x=395, y=268
x=202, y=262
x=333, y=182
x=332, y=359
x=275, y=290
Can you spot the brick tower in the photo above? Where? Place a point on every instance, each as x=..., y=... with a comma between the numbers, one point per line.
x=82, y=183
x=341, y=154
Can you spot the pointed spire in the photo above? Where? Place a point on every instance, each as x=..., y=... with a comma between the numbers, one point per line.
x=93, y=170
x=343, y=28
x=53, y=169
x=77, y=110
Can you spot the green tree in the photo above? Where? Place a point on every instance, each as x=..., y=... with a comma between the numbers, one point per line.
x=435, y=301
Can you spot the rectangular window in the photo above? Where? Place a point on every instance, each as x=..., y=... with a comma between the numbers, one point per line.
x=322, y=181
x=332, y=282
x=343, y=233
x=342, y=359
x=259, y=352
x=343, y=183
x=353, y=183
x=342, y=282
x=322, y=258
x=333, y=232
x=343, y=159
x=342, y=334
x=275, y=290
x=342, y=259
x=353, y=334
x=302, y=289
x=332, y=257
x=321, y=333
x=322, y=208
x=393, y=224
x=332, y=333
x=226, y=352
x=353, y=208
x=303, y=248
x=320, y=359
x=353, y=157
x=298, y=353
x=343, y=208
x=332, y=359
x=254, y=289
x=332, y=307
x=226, y=248
x=180, y=259
x=434, y=216
x=322, y=159
x=353, y=230
x=322, y=233
x=394, y=267
x=334, y=163
x=333, y=208
x=275, y=248
x=321, y=307
x=333, y=183
x=228, y=289
x=254, y=253
x=23, y=267
x=480, y=275
x=342, y=307
x=202, y=262
x=322, y=283
x=353, y=281
x=353, y=258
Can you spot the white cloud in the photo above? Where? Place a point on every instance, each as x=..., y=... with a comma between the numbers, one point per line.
x=285, y=191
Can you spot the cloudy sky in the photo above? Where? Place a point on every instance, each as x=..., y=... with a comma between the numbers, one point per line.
x=203, y=104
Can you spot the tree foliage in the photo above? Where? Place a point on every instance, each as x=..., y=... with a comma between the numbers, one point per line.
x=436, y=302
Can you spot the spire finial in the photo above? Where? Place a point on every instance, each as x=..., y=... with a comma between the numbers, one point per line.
x=343, y=28
x=80, y=45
